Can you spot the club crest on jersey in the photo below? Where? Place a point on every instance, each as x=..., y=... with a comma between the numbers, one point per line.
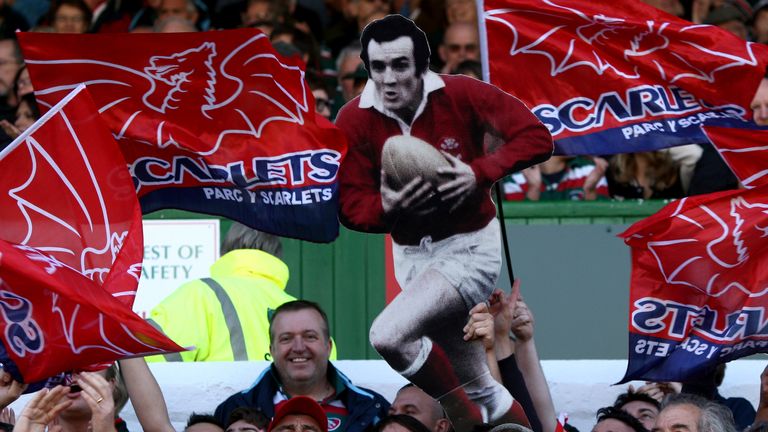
x=449, y=143
x=333, y=424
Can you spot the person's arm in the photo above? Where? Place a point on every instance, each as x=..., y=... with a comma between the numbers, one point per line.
x=530, y=367
x=658, y=390
x=361, y=206
x=10, y=389
x=480, y=327
x=762, y=406
x=593, y=178
x=525, y=141
x=146, y=396
x=533, y=178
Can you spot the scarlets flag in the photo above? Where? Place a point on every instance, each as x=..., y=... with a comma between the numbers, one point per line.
x=699, y=285
x=618, y=76
x=70, y=248
x=743, y=146
x=212, y=122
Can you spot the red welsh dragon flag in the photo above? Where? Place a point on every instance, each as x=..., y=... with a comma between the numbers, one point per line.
x=70, y=248
x=618, y=76
x=699, y=284
x=744, y=147
x=212, y=122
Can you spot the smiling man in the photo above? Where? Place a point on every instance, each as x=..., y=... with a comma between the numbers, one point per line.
x=447, y=245
x=300, y=345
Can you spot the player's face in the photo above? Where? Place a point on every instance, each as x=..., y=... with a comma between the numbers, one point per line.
x=393, y=71
x=299, y=348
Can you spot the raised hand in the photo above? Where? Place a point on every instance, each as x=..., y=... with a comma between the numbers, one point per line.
x=97, y=393
x=42, y=409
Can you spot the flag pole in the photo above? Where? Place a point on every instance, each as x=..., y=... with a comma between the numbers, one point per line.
x=499, y=201
x=497, y=186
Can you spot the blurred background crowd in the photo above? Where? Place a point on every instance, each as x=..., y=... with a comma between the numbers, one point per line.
x=324, y=34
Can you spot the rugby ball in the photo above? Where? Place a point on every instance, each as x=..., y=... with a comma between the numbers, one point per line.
x=404, y=158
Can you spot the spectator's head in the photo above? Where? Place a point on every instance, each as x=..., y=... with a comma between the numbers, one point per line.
x=729, y=17
x=299, y=414
x=240, y=236
x=673, y=7
x=304, y=42
x=693, y=413
x=79, y=409
x=10, y=62
x=71, y=16
x=610, y=419
x=119, y=391
x=640, y=406
x=457, y=11
x=347, y=62
x=412, y=401
x=760, y=22
x=174, y=24
x=368, y=10
x=396, y=55
x=400, y=423
x=470, y=68
x=22, y=84
x=263, y=10
x=300, y=343
x=321, y=94
x=185, y=9
x=203, y=423
x=460, y=43
x=247, y=419
x=27, y=112
x=359, y=78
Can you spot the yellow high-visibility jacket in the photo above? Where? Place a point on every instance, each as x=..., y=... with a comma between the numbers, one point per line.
x=225, y=317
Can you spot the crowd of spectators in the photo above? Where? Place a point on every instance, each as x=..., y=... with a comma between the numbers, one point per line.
x=325, y=35
x=301, y=380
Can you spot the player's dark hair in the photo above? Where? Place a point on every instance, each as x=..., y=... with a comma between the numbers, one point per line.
x=390, y=28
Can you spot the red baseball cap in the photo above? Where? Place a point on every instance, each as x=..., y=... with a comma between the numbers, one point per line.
x=300, y=405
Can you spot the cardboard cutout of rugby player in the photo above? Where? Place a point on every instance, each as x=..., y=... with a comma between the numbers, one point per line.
x=424, y=150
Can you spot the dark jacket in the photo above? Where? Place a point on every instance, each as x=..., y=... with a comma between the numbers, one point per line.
x=365, y=406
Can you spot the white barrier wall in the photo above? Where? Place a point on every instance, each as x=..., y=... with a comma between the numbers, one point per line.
x=579, y=387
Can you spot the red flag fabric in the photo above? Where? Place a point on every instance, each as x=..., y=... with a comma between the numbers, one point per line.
x=212, y=122
x=70, y=248
x=699, y=285
x=618, y=76
x=744, y=149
